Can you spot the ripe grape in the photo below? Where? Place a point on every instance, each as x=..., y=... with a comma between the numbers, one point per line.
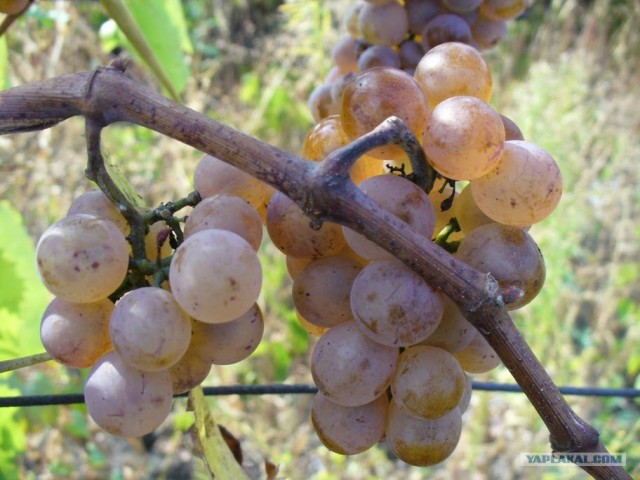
x=377, y=94
x=345, y=54
x=321, y=290
x=410, y=53
x=76, y=334
x=393, y=305
x=352, y=18
x=295, y=265
x=96, y=203
x=226, y=212
x=420, y=12
x=429, y=382
x=82, y=258
x=511, y=129
x=215, y=276
x=461, y=6
x=488, y=33
x=422, y=441
x=378, y=56
x=503, y=9
x=349, y=368
x=321, y=103
x=125, y=401
x=445, y=28
x=510, y=255
x=466, y=396
x=477, y=356
x=230, y=342
x=401, y=198
x=453, y=69
x=524, y=187
x=348, y=430
x=291, y=232
x=383, y=25
x=149, y=329
x=212, y=177
x=463, y=138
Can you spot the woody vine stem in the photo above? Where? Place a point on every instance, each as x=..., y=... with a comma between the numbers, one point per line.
x=325, y=193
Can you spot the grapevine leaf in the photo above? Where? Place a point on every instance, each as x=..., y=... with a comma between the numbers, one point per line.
x=217, y=455
x=156, y=31
x=23, y=298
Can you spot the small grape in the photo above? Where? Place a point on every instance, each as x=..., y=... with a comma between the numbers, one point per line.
x=454, y=332
x=215, y=276
x=97, y=204
x=82, y=258
x=76, y=334
x=384, y=24
x=445, y=28
x=349, y=368
x=477, y=356
x=125, y=401
x=422, y=441
x=149, y=329
x=348, y=430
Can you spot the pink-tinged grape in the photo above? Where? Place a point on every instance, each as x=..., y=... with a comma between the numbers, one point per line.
x=453, y=69
x=189, y=372
x=422, y=442
x=321, y=102
x=466, y=396
x=401, y=198
x=410, y=53
x=420, y=12
x=230, y=342
x=97, y=204
x=82, y=258
x=377, y=94
x=503, y=9
x=524, y=187
x=510, y=255
x=378, y=56
x=320, y=292
x=212, y=177
x=467, y=213
x=383, y=25
x=445, y=28
x=477, y=356
x=215, y=276
x=76, y=334
x=454, y=332
x=149, y=329
x=125, y=401
x=226, y=212
x=463, y=138
x=393, y=305
x=349, y=368
x=349, y=430
x=428, y=383
x=291, y=232
x=488, y=33
x=345, y=53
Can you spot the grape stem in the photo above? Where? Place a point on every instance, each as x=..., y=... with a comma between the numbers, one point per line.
x=22, y=362
x=325, y=192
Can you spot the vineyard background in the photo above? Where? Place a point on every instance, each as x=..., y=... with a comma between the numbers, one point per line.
x=567, y=74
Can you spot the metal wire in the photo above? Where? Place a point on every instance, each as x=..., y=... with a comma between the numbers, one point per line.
x=284, y=389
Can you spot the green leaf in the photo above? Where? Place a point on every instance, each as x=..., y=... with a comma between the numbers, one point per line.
x=23, y=298
x=217, y=454
x=156, y=32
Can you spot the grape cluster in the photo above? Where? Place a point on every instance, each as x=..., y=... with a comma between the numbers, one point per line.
x=394, y=355
x=390, y=33
x=198, y=307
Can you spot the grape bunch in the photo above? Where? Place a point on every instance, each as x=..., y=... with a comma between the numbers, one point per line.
x=389, y=33
x=395, y=356
x=196, y=308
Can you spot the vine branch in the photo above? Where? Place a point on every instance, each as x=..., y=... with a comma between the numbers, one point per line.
x=326, y=193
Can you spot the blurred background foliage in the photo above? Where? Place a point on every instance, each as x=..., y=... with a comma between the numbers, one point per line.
x=567, y=74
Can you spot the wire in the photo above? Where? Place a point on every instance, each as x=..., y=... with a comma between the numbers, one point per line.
x=284, y=389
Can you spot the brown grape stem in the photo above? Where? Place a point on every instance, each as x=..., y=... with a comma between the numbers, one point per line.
x=325, y=192
x=391, y=131
x=22, y=362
